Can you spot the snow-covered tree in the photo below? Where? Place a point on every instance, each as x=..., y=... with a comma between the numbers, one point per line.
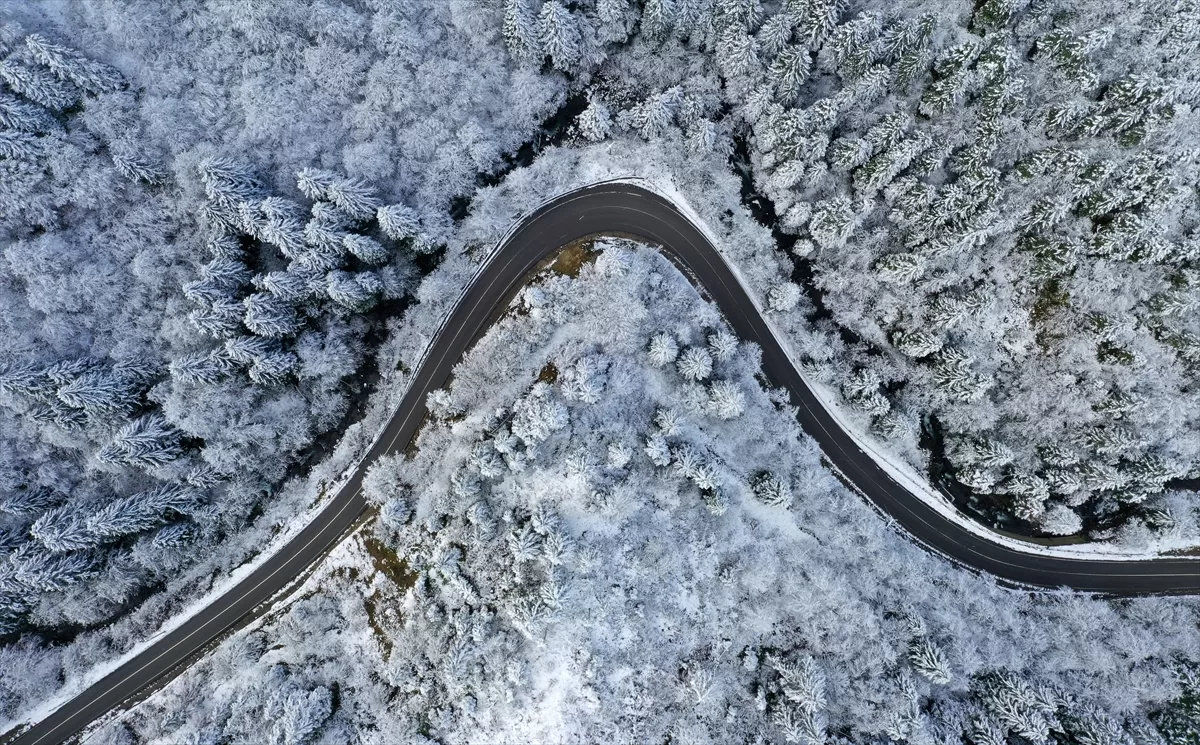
x=398, y=221
x=38, y=85
x=1060, y=519
x=928, y=659
x=771, y=489
x=662, y=349
x=595, y=122
x=725, y=399
x=694, y=364
x=558, y=33
x=783, y=297
x=270, y=316
x=69, y=65
x=722, y=345
x=147, y=442
x=520, y=30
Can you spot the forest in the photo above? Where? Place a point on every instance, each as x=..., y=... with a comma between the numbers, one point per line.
x=229, y=230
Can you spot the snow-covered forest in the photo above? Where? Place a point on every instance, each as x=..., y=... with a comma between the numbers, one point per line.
x=612, y=533
x=229, y=229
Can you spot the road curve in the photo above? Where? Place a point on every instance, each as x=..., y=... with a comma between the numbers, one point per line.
x=603, y=208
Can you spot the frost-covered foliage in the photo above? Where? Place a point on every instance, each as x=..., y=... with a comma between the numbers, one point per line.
x=997, y=200
x=544, y=590
x=182, y=316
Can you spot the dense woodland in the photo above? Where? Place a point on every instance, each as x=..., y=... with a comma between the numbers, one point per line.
x=224, y=223
x=612, y=533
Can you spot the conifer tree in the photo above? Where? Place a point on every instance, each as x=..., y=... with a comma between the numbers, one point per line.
x=63, y=529
x=694, y=364
x=273, y=369
x=595, y=122
x=268, y=315
x=520, y=32
x=398, y=221
x=356, y=199
x=37, y=85
x=66, y=63
x=29, y=501
x=559, y=35
x=148, y=442
x=356, y=291
x=25, y=117
x=365, y=249
x=46, y=571
x=657, y=18
x=204, y=368
x=18, y=145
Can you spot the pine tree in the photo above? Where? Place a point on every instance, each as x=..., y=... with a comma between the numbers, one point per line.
x=817, y=21
x=227, y=274
x=900, y=267
x=225, y=247
x=175, y=535
x=367, y=250
x=99, y=394
x=657, y=450
x=928, y=659
x=354, y=291
x=229, y=183
x=52, y=572
x=315, y=183
x=207, y=368
x=559, y=35
x=66, y=63
x=833, y=221
x=26, y=117
x=148, y=442
x=29, y=501
x=398, y=222
x=722, y=345
x=221, y=319
x=783, y=297
x=63, y=529
x=695, y=363
x=789, y=71
x=850, y=49
x=595, y=122
x=520, y=35
x=273, y=369
x=726, y=399
x=205, y=291
x=17, y=145
x=38, y=85
x=652, y=117
x=267, y=315
x=918, y=343
x=775, y=34
x=657, y=18
x=356, y=199
x=244, y=350
x=293, y=285
x=737, y=53
x=137, y=168
x=27, y=380
x=140, y=512
x=771, y=490
x=285, y=233
x=537, y=415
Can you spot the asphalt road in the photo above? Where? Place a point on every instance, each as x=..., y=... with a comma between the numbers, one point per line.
x=604, y=208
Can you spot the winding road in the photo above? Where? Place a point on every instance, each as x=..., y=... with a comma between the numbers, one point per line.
x=613, y=207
